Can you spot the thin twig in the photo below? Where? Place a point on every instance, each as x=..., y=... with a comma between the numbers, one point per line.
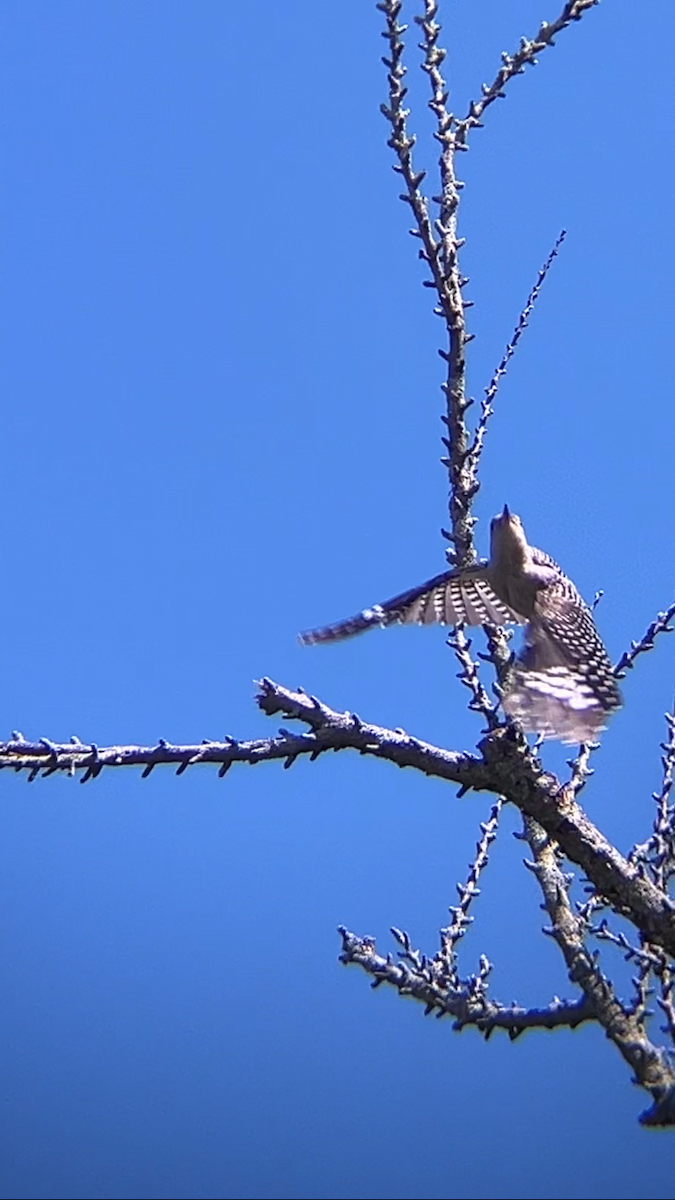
x=468, y=675
x=579, y=769
x=657, y=854
x=643, y=955
x=515, y=64
x=487, y=404
x=468, y=891
x=660, y=624
x=666, y=1000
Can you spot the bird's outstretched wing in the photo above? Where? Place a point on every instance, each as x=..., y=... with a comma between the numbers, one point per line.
x=452, y=598
x=562, y=684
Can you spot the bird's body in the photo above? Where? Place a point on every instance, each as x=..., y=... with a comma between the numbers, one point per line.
x=562, y=685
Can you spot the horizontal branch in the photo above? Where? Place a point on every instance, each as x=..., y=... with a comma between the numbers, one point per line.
x=330, y=731
x=506, y=766
x=467, y=1006
x=45, y=757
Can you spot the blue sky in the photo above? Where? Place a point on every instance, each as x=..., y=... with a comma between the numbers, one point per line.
x=221, y=415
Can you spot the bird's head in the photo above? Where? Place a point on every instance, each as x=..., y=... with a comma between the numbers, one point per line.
x=507, y=536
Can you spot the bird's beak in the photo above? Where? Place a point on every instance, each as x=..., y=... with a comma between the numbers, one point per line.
x=506, y=514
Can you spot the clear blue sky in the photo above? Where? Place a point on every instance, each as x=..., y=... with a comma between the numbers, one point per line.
x=221, y=425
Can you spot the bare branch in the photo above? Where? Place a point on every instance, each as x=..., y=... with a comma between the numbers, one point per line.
x=649, y=1063
x=434, y=56
x=487, y=404
x=579, y=769
x=643, y=955
x=452, y=305
x=506, y=767
x=662, y=859
x=642, y=992
x=468, y=675
x=662, y=1113
x=658, y=853
x=512, y=65
x=660, y=624
x=468, y=891
x=45, y=757
x=440, y=254
x=666, y=1000
x=416, y=976
x=402, y=144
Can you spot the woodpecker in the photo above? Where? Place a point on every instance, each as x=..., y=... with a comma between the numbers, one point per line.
x=562, y=684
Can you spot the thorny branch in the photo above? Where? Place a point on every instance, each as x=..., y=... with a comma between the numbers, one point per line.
x=554, y=824
x=468, y=675
x=440, y=240
x=505, y=765
x=487, y=404
x=436, y=983
x=515, y=64
x=657, y=856
x=660, y=624
x=622, y=1026
x=452, y=307
x=440, y=250
x=460, y=915
x=466, y=999
x=658, y=853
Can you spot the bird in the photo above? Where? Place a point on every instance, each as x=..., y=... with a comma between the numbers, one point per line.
x=561, y=685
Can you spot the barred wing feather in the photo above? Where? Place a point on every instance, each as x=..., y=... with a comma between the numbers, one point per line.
x=562, y=684
x=452, y=598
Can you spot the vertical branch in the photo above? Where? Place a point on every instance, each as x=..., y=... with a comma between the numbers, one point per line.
x=624, y=1028
x=663, y=861
x=451, y=303
x=580, y=771
x=468, y=675
x=402, y=143
x=460, y=917
x=439, y=253
x=441, y=243
x=666, y=1001
x=657, y=854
